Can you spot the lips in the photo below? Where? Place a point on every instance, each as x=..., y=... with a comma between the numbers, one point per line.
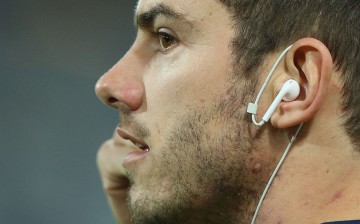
x=134, y=139
x=133, y=158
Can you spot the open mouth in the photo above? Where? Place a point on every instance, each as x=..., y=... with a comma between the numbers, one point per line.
x=143, y=147
x=135, y=140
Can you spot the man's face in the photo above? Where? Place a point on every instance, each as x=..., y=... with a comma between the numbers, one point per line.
x=180, y=101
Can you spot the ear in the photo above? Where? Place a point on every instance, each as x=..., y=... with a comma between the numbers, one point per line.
x=310, y=63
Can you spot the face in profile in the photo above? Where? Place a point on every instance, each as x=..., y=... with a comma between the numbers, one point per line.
x=180, y=102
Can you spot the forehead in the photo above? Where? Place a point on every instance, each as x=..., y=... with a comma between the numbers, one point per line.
x=194, y=10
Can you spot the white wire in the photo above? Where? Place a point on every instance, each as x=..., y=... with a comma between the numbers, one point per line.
x=275, y=172
x=262, y=122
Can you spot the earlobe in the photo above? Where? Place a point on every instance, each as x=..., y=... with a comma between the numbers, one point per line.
x=310, y=63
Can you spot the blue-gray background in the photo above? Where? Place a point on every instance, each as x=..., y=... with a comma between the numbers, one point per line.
x=51, y=124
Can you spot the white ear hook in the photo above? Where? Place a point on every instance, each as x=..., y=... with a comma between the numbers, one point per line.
x=290, y=91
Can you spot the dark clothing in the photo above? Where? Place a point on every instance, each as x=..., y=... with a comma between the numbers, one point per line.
x=344, y=222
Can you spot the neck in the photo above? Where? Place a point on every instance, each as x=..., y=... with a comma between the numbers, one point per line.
x=318, y=181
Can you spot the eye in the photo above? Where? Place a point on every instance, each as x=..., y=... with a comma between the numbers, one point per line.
x=166, y=40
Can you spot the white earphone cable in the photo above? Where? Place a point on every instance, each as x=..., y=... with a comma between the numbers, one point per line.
x=275, y=172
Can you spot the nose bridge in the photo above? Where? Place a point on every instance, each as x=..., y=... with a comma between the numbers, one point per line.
x=122, y=85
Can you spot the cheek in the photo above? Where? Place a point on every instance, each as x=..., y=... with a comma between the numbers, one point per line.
x=186, y=80
x=179, y=82
x=170, y=85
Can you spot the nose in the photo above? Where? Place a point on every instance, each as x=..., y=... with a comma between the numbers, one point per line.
x=122, y=87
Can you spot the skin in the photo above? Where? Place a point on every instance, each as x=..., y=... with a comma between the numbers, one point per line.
x=179, y=94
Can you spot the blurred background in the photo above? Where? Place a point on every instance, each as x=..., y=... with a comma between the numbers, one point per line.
x=51, y=123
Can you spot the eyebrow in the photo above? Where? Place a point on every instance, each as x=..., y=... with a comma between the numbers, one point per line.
x=146, y=19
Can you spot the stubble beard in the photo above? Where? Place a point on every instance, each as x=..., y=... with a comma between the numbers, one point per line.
x=202, y=174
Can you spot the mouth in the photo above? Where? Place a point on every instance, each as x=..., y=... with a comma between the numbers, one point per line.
x=134, y=139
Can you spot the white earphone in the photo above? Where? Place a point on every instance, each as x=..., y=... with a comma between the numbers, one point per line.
x=289, y=92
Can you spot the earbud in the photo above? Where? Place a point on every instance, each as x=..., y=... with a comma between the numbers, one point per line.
x=289, y=92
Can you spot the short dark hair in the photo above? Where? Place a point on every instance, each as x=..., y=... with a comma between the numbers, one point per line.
x=266, y=26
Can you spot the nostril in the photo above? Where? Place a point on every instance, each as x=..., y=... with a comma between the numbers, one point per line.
x=112, y=100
